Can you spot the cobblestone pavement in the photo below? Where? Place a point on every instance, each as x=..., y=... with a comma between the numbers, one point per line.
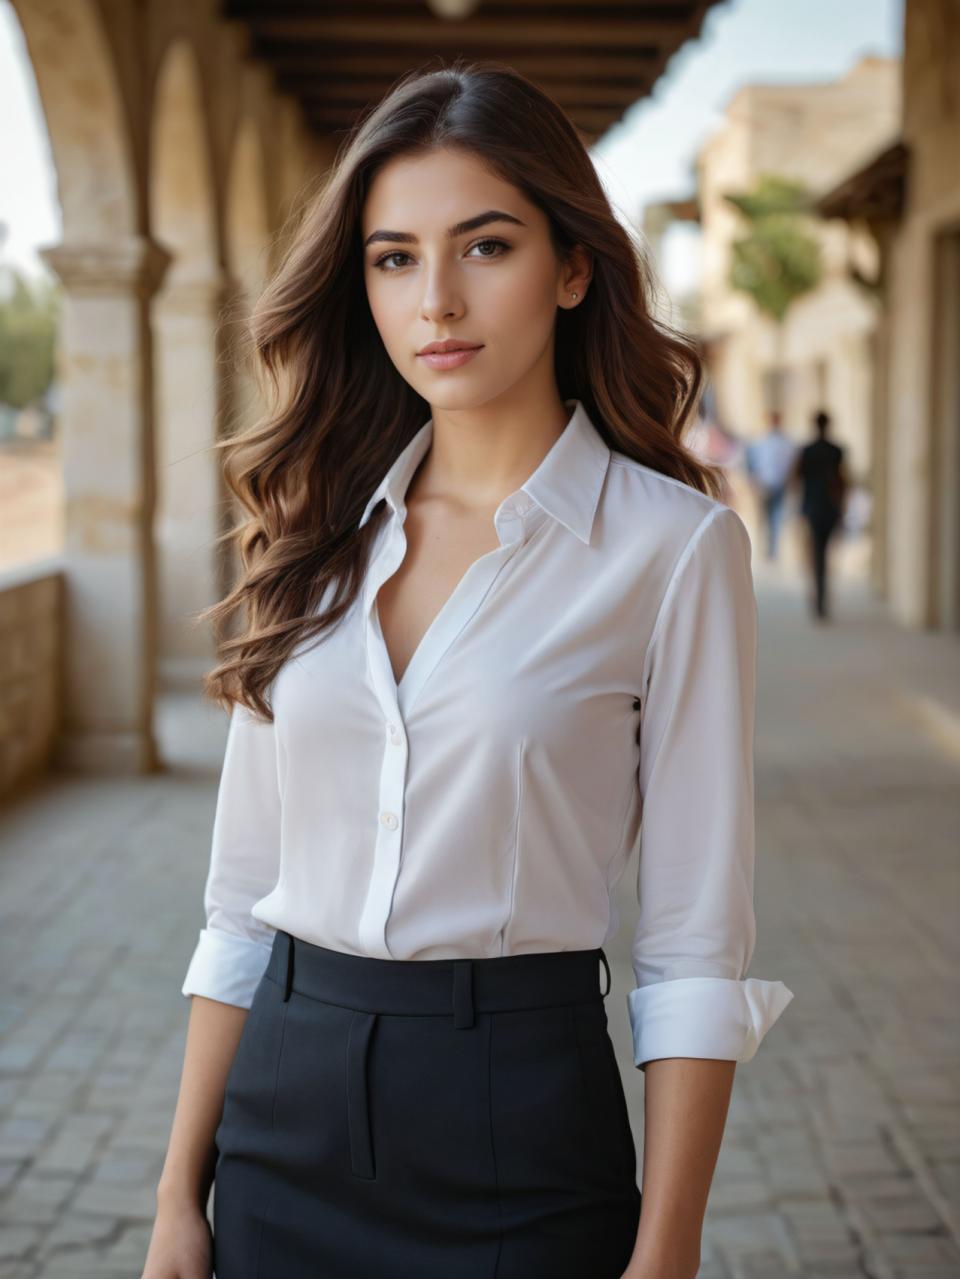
x=842, y=1150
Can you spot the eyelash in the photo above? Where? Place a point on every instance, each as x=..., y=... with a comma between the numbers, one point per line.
x=398, y=253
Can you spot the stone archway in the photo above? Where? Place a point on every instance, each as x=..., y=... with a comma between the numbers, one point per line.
x=247, y=218
x=190, y=498
x=109, y=270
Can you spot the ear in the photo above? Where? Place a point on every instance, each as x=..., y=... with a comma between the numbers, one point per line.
x=575, y=277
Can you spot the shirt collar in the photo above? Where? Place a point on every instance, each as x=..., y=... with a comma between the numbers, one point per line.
x=566, y=484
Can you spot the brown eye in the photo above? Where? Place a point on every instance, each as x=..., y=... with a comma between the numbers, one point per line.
x=381, y=264
x=498, y=243
x=386, y=257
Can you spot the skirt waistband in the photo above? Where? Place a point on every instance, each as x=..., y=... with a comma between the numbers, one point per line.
x=437, y=987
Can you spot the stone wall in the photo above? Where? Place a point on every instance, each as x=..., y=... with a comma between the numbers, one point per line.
x=923, y=292
x=179, y=165
x=31, y=654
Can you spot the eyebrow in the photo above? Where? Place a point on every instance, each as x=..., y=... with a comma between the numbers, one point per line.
x=460, y=228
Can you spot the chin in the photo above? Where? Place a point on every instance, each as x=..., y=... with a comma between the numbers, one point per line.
x=444, y=394
x=467, y=395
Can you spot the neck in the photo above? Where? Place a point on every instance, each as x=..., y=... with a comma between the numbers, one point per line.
x=480, y=454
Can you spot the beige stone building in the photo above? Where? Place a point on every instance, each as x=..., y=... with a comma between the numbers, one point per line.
x=812, y=133
x=907, y=196
x=183, y=133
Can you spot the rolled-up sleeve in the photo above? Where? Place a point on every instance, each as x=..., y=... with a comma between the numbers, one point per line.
x=233, y=949
x=696, y=930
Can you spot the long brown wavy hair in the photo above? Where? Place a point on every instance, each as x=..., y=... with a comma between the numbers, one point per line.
x=338, y=410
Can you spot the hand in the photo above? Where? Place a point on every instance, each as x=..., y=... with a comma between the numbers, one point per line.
x=181, y=1244
x=645, y=1266
x=657, y=1272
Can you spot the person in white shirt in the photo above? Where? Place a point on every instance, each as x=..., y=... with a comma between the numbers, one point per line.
x=770, y=461
x=500, y=640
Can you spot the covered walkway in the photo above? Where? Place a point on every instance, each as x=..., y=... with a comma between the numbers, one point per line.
x=842, y=1151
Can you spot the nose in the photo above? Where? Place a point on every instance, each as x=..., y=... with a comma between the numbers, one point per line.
x=441, y=300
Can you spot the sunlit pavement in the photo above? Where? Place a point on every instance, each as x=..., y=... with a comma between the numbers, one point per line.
x=842, y=1150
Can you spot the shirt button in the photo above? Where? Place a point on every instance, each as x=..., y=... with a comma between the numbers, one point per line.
x=389, y=820
x=395, y=735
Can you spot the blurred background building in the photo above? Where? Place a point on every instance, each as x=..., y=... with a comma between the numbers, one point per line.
x=874, y=335
x=821, y=353
x=906, y=197
x=815, y=345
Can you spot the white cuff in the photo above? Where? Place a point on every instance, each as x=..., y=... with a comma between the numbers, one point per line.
x=226, y=967
x=704, y=1017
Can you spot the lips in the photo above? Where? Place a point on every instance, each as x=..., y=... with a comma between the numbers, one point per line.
x=450, y=358
x=450, y=344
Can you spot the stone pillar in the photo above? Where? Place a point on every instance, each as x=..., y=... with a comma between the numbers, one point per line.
x=106, y=425
x=193, y=400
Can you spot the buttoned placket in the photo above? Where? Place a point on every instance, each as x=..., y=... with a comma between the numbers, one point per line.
x=515, y=519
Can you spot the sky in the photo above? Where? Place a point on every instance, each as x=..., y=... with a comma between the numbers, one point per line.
x=647, y=156
x=29, y=211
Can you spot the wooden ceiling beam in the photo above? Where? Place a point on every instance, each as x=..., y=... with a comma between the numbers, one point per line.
x=596, y=57
x=515, y=32
x=543, y=68
x=320, y=91
x=250, y=10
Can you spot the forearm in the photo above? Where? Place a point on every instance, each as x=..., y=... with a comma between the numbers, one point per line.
x=213, y=1033
x=686, y=1100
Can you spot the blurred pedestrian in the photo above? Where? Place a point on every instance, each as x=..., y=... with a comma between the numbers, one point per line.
x=769, y=463
x=820, y=472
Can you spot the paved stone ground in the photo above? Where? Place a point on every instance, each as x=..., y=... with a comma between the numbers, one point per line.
x=842, y=1151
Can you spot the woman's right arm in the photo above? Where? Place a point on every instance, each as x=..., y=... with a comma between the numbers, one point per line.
x=225, y=969
x=180, y=1246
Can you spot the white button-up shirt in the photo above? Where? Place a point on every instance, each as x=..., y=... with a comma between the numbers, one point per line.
x=584, y=695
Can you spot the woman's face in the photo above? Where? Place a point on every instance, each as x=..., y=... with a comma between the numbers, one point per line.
x=496, y=285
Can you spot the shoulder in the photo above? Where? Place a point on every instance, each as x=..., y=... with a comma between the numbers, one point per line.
x=639, y=498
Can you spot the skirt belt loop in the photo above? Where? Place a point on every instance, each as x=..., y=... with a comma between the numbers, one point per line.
x=288, y=979
x=463, y=993
x=603, y=960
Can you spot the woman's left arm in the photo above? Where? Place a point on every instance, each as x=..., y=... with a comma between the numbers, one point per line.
x=694, y=1012
x=685, y=1109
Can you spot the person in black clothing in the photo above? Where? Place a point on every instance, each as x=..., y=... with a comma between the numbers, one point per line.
x=819, y=469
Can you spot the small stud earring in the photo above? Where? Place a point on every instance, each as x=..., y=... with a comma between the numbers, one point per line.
x=574, y=295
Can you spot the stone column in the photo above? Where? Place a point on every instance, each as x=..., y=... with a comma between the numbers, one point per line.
x=106, y=425
x=193, y=401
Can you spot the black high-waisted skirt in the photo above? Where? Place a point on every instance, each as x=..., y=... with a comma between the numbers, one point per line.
x=425, y=1119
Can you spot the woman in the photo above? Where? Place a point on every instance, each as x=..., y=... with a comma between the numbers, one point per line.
x=493, y=609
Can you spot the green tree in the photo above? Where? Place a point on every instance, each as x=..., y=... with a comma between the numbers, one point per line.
x=29, y=323
x=778, y=258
